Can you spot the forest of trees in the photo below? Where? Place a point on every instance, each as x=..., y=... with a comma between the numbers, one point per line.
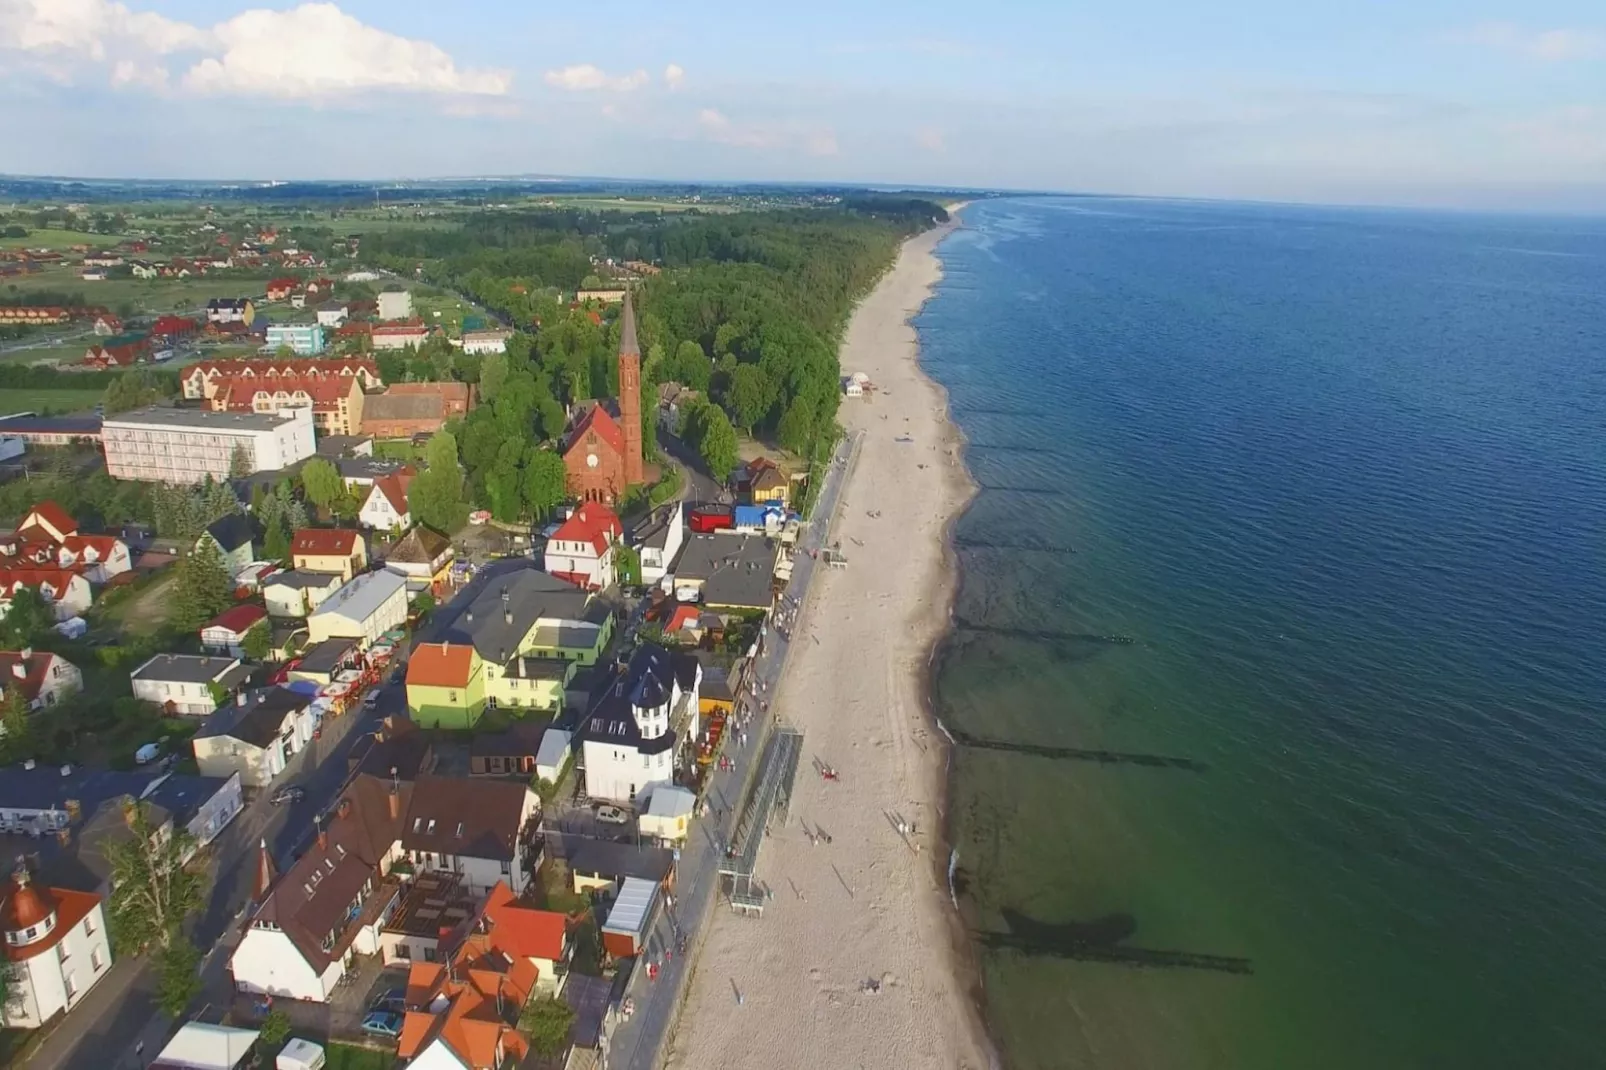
x=748, y=309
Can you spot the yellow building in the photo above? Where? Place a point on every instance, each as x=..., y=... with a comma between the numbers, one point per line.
x=340, y=551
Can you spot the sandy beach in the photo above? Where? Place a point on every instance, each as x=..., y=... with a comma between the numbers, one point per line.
x=854, y=963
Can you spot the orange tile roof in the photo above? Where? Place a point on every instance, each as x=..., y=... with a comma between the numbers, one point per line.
x=524, y=932
x=324, y=542
x=440, y=665
x=50, y=513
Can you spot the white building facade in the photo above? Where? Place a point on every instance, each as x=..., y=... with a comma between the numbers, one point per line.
x=184, y=445
x=185, y=680
x=56, y=947
x=395, y=305
x=632, y=737
x=364, y=609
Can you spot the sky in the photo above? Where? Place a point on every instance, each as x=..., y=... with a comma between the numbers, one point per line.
x=1445, y=103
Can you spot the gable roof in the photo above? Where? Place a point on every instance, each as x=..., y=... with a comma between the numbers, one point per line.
x=35, y=667
x=505, y=611
x=522, y=931
x=394, y=488
x=60, y=579
x=420, y=546
x=391, y=406
x=598, y=419
x=592, y=523
x=324, y=542
x=474, y=817
x=48, y=516
x=440, y=665
x=231, y=532
x=238, y=619
x=259, y=719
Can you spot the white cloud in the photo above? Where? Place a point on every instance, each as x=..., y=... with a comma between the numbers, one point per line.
x=930, y=138
x=1548, y=46
x=815, y=140
x=314, y=51
x=674, y=75
x=584, y=77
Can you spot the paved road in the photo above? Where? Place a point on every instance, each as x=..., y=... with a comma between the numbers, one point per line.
x=638, y=1043
x=699, y=485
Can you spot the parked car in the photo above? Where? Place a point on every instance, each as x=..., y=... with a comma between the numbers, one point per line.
x=383, y=1024
x=288, y=795
x=612, y=815
x=371, y=699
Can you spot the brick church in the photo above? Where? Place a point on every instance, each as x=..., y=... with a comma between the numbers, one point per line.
x=602, y=451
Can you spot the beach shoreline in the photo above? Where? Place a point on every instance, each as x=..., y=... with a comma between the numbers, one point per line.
x=860, y=958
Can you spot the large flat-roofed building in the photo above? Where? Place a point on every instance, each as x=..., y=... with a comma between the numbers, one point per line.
x=182, y=445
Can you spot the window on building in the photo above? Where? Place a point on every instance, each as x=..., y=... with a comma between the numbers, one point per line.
x=89, y=924
x=72, y=985
x=95, y=962
x=404, y=952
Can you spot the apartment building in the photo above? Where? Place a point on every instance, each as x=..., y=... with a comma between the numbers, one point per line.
x=183, y=445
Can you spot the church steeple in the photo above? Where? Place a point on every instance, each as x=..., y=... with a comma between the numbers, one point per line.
x=630, y=393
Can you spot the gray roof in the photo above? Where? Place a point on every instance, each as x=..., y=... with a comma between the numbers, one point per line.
x=617, y=860
x=359, y=599
x=258, y=721
x=495, y=626
x=183, y=796
x=390, y=406
x=736, y=570
x=530, y=667
x=45, y=787
x=339, y=445
x=62, y=425
x=199, y=419
x=653, y=529
x=184, y=668
x=365, y=468
x=327, y=656
x=231, y=532
x=302, y=579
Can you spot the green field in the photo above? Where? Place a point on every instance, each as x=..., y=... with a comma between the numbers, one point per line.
x=59, y=401
x=60, y=240
x=151, y=296
x=351, y=1057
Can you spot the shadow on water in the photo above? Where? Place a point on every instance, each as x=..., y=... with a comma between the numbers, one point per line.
x=1077, y=754
x=1030, y=492
x=1100, y=940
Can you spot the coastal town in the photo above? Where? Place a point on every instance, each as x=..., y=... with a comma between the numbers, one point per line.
x=434, y=672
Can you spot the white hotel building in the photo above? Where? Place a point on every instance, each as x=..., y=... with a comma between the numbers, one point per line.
x=182, y=445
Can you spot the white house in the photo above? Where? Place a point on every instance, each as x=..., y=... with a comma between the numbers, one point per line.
x=255, y=737
x=40, y=677
x=581, y=551
x=56, y=948
x=332, y=314
x=646, y=724
x=47, y=537
x=395, y=305
x=182, y=446
x=234, y=539
x=477, y=828
x=68, y=592
x=226, y=632
x=386, y=507
x=657, y=540
x=298, y=592
x=183, y=683
x=487, y=341
x=364, y=609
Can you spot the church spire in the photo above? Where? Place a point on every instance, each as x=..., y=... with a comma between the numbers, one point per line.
x=265, y=874
x=627, y=329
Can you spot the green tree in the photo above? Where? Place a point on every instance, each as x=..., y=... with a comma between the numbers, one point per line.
x=202, y=586
x=545, y=482
x=271, y=1035
x=627, y=566
x=321, y=482
x=716, y=442
x=797, y=426
x=179, y=966
x=546, y=1022
x=748, y=396
x=16, y=731
x=239, y=462
x=153, y=891
x=133, y=390
x=257, y=643
x=276, y=542
x=436, y=494
x=29, y=619
x=691, y=366
x=493, y=373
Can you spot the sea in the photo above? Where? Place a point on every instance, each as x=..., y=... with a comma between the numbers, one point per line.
x=1278, y=665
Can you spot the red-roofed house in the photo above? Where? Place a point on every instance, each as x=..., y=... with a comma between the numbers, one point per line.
x=386, y=508
x=399, y=335
x=46, y=522
x=205, y=379
x=40, y=677
x=119, y=356
x=227, y=630
x=67, y=591
x=172, y=329
x=462, y=1014
x=336, y=401
x=279, y=289
x=107, y=325
x=581, y=551
x=342, y=551
x=55, y=948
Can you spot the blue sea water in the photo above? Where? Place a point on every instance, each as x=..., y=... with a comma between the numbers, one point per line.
x=1280, y=649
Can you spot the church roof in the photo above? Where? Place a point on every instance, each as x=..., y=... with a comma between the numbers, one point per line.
x=598, y=418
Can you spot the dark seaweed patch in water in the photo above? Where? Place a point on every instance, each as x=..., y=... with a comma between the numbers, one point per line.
x=1013, y=544
x=1078, y=754
x=1100, y=940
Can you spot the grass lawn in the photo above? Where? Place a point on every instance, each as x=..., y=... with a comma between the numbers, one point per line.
x=142, y=612
x=60, y=240
x=397, y=449
x=24, y=400
x=147, y=295
x=351, y=1057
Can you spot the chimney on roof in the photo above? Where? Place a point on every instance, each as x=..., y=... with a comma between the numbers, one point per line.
x=507, y=615
x=323, y=835
x=394, y=799
x=345, y=807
